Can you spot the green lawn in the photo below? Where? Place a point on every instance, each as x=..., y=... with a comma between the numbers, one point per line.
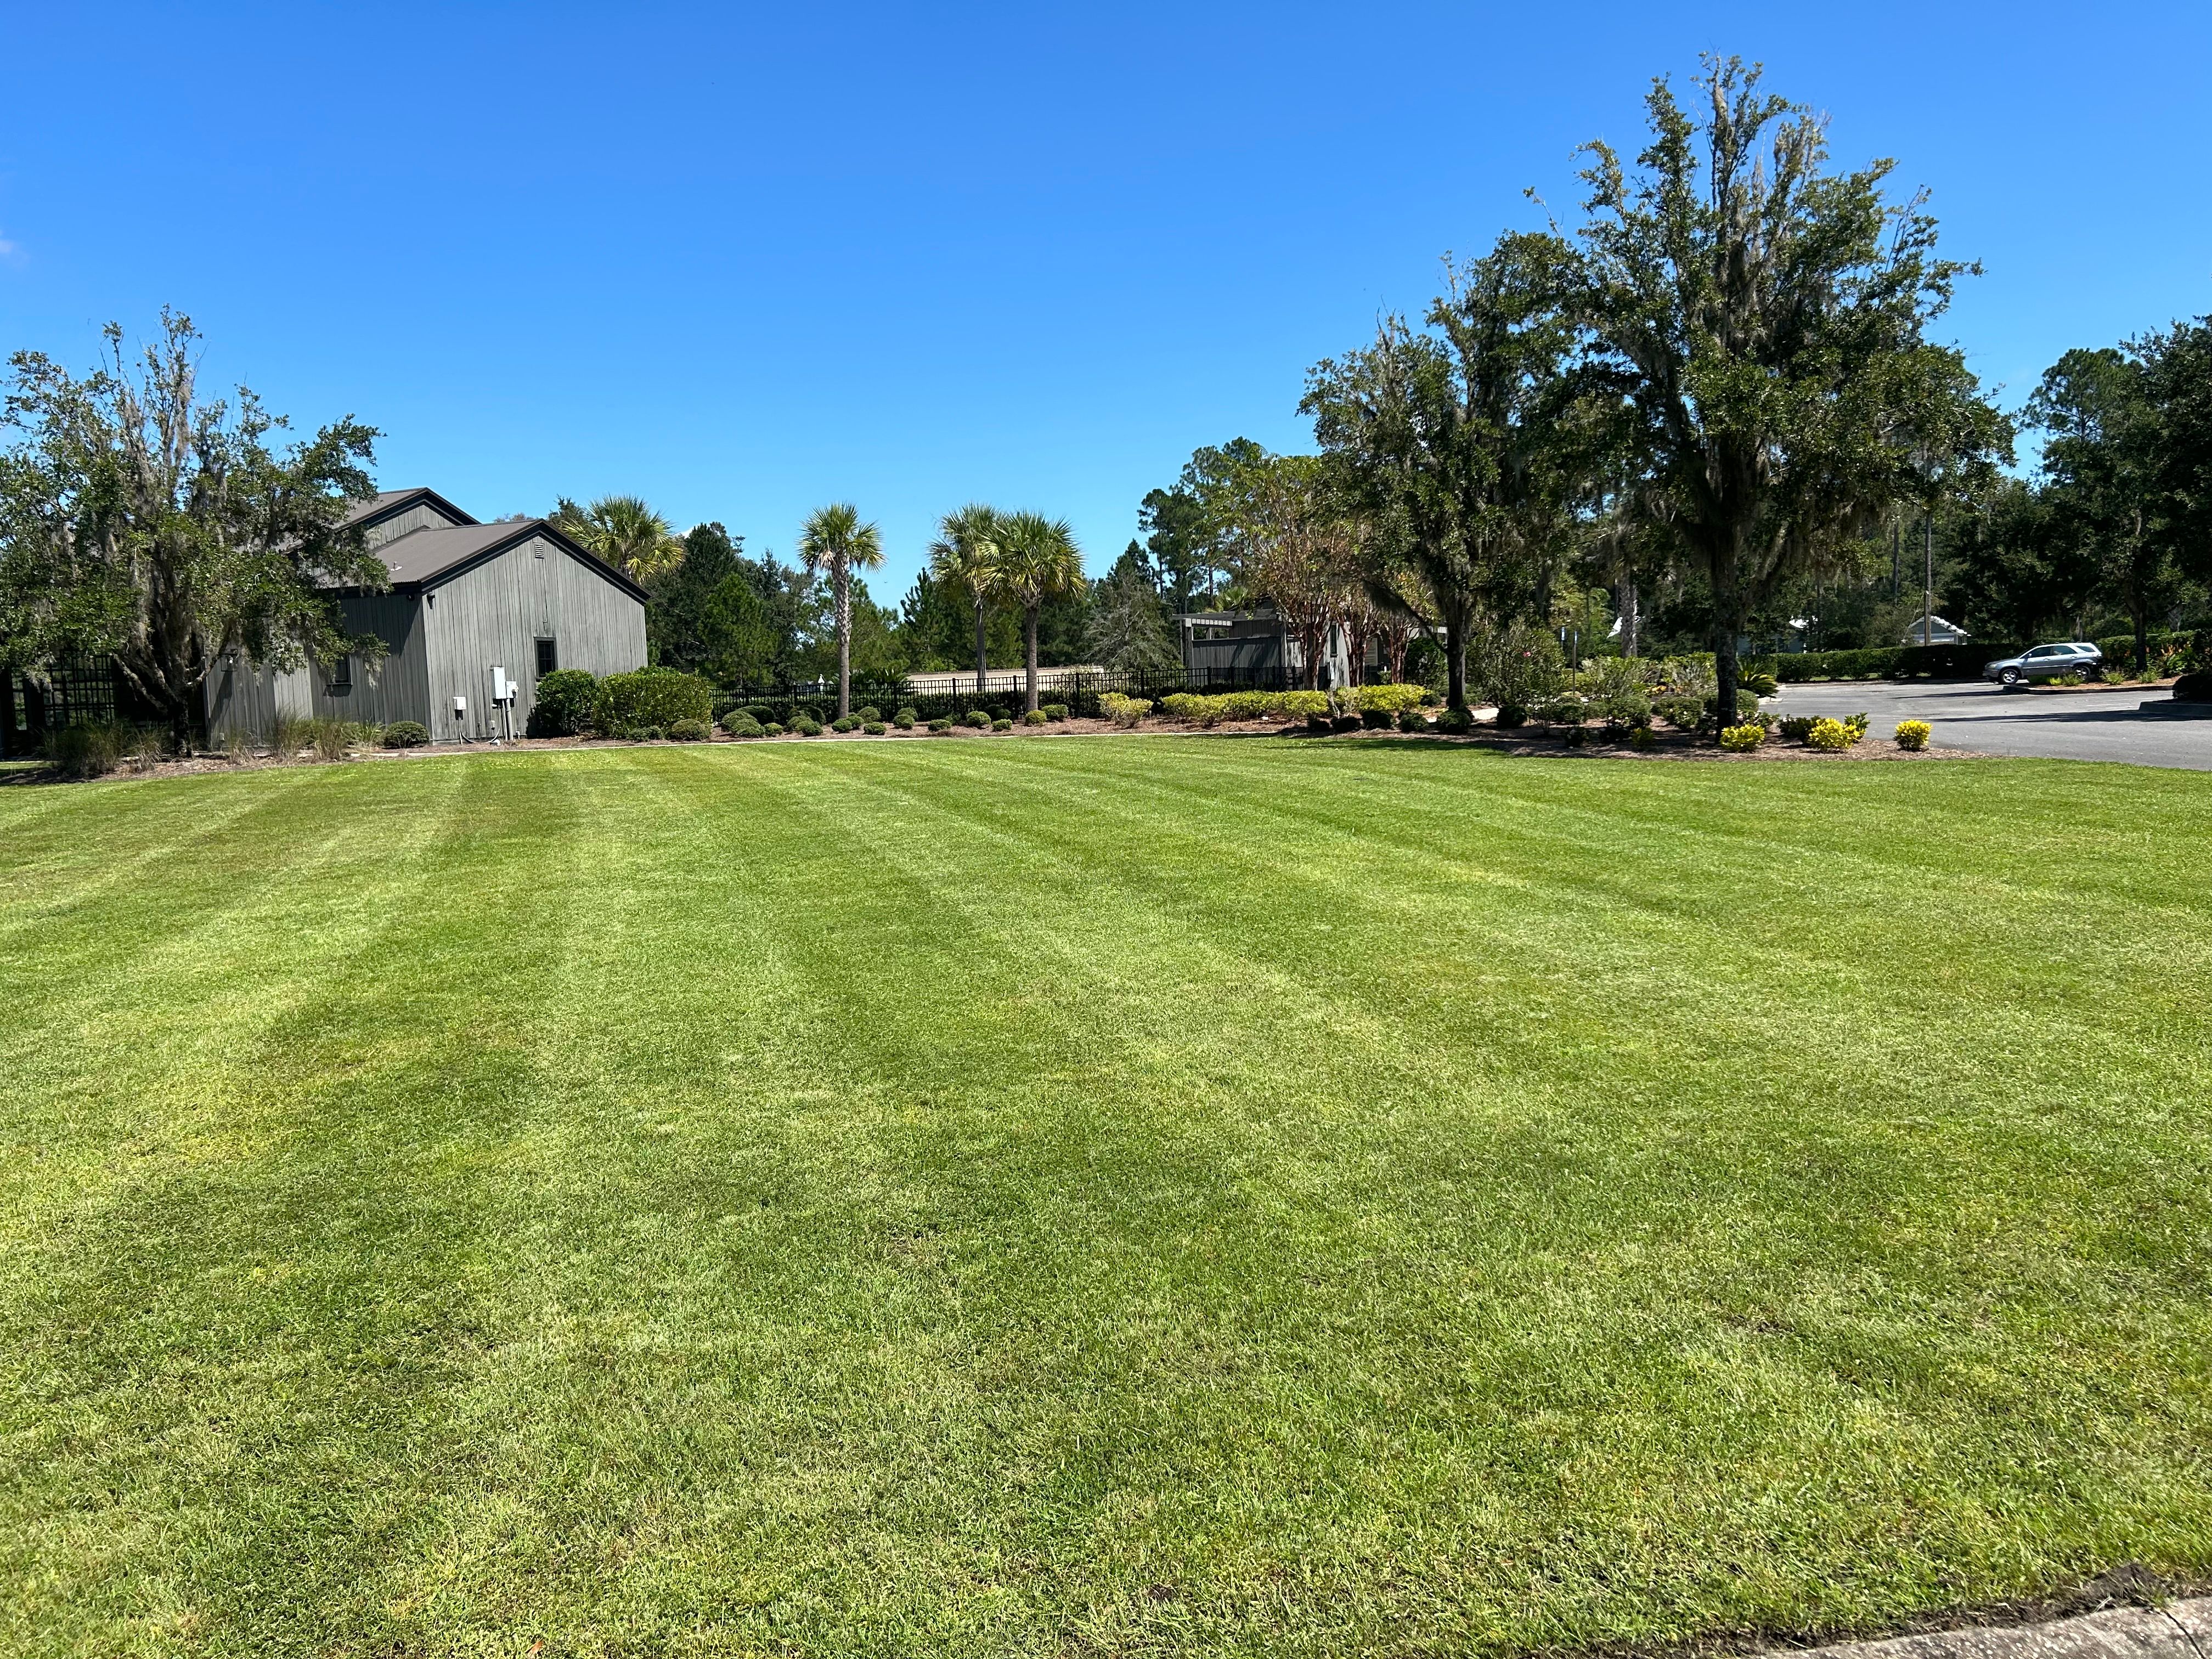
x=1126, y=1196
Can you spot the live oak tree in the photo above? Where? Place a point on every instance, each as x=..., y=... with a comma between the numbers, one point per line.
x=1455, y=440
x=1757, y=324
x=835, y=542
x=1036, y=560
x=141, y=523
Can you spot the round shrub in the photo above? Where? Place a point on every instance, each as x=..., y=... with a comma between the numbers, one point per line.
x=564, y=704
x=845, y=723
x=689, y=731
x=1412, y=719
x=1742, y=738
x=870, y=713
x=1510, y=717
x=649, y=734
x=942, y=723
x=1642, y=737
x=1683, y=714
x=1002, y=724
x=1913, y=734
x=976, y=717
x=1124, y=711
x=1376, y=719
x=1831, y=735
x=806, y=726
x=1055, y=711
x=773, y=729
x=875, y=728
x=1457, y=722
x=1034, y=717
x=1320, y=725
x=762, y=711
x=412, y=734
x=1795, y=726
x=2193, y=687
x=904, y=720
x=739, y=724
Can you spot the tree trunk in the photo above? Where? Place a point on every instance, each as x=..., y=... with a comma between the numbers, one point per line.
x=1455, y=665
x=1724, y=670
x=1029, y=628
x=982, y=647
x=1628, y=602
x=844, y=644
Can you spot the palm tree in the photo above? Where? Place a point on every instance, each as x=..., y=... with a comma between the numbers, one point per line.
x=967, y=543
x=1037, y=560
x=624, y=532
x=835, y=540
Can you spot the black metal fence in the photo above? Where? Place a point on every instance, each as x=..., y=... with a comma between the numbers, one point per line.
x=1001, y=692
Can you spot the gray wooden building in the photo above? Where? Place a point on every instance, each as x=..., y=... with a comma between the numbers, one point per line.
x=466, y=599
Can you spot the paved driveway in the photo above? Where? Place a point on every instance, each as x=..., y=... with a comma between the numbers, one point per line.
x=2058, y=723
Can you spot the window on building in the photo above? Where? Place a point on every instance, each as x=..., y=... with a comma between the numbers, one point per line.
x=341, y=676
x=548, y=658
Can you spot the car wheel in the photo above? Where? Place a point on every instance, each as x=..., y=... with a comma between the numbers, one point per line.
x=2009, y=678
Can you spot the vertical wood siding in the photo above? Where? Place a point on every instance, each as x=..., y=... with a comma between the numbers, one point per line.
x=497, y=612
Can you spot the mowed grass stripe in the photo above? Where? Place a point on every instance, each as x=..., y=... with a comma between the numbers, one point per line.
x=873, y=1200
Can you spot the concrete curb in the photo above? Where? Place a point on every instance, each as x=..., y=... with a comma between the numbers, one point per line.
x=2176, y=1630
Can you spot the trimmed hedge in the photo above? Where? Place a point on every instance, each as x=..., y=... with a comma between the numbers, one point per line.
x=650, y=697
x=409, y=734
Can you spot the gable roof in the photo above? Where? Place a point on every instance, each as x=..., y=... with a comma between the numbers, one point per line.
x=424, y=558
x=390, y=503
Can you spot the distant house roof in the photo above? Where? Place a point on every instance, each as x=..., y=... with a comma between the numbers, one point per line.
x=424, y=558
x=389, y=503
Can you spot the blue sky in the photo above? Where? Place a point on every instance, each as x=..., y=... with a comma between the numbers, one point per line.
x=744, y=261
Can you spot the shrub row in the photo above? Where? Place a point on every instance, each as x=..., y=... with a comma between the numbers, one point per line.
x=571, y=702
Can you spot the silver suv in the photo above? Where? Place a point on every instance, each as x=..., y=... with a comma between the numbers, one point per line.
x=2044, y=662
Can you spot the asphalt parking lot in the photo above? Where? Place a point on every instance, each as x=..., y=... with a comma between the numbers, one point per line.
x=2089, y=722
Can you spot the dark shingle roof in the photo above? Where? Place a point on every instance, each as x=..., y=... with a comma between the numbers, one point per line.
x=386, y=502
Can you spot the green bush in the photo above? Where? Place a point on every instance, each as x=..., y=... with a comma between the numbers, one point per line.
x=1055, y=711
x=1642, y=737
x=904, y=720
x=1457, y=722
x=1377, y=719
x=1796, y=726
x=739, y=723
x=870, y=713
x=652, y=697
x=772, y=729
x=806, y=726
x=1002, y=724
x=1412, y=719
x=1517, y=666
x=1567, y=710
x=568, y=699
x=1913, y=734
x=1759, y=684
x=977, y=718
x=1510, y=715
x=1828, y=734
x=1742, y=738
x=762, y=712
x=845, y=723
x=1388, y=698
x=942, y=723
x=1036, y=717
x=689, y=731
x=875, y=728
x=410, y=735
x=91, y=750
x=1124, y=711
x=2194, y=687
